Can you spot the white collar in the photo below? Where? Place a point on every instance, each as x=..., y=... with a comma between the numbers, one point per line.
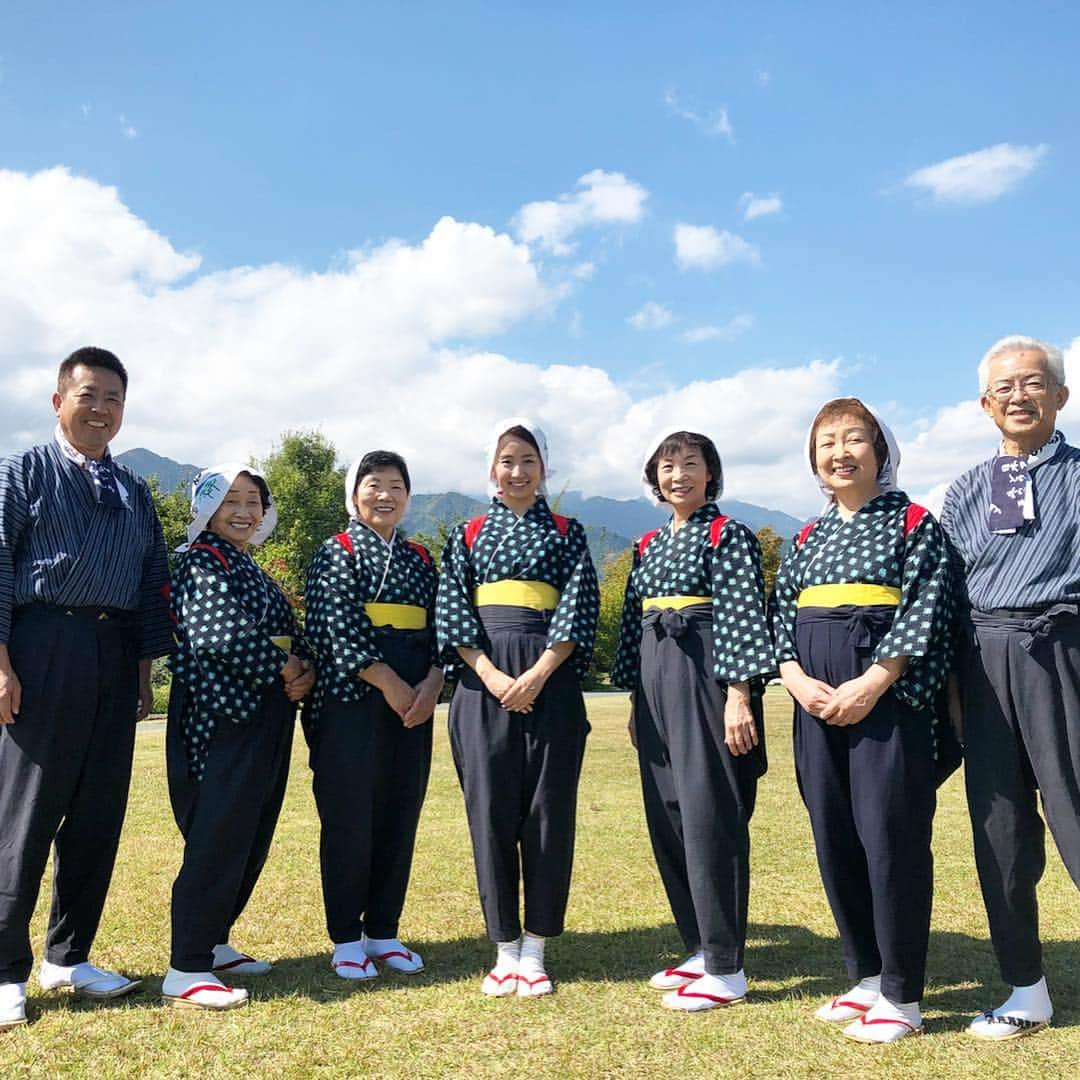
x=77, y=457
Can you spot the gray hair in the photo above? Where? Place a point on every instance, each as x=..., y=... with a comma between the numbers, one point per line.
x=1055, y=359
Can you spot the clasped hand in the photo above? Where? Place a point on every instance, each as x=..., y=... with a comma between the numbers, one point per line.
x=840, y=706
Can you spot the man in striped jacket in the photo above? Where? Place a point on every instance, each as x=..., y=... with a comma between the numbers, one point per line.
x=1013, y=523
x=83, y=609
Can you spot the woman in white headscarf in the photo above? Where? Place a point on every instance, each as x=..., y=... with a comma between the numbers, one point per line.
x=370, y=602
x=238, y=672
x=517, y=609
x=694, y=648
x=860, y=617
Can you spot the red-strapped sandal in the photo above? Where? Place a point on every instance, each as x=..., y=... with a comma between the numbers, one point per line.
x=687, y=1000
x=213, y=997
x=881, y=1030
x=841, y=1011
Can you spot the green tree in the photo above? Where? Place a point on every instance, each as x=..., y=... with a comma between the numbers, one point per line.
x=308, y=489
x=435, y=540
x=771, y=543
x=612, y=586
x=174, y=511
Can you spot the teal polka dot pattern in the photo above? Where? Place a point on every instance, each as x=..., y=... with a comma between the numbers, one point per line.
x=339, y=583
x=529, y=548
x=224, y=620
x=685, y=563
x=871, y=548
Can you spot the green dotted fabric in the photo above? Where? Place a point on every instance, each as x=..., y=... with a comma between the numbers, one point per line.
x=685, y=563
x=339, y=583
x=224, y=620
x=871, y=549
x=529, y=548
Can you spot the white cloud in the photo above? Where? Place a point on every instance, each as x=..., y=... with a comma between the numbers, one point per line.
x=762, y=78
x=583, y=271
x=128, y=130
x=978, y=177
x=701, y=247
x=755, y=206
x=86, y=108
x=650, y=316
x=709, y=122
x=728, y=331
x=601, y=198
x=387, y=347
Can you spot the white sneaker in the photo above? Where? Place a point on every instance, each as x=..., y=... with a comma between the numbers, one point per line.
x=226, y=958
x=85, y=979
x=12, y=1004
x=200, y=990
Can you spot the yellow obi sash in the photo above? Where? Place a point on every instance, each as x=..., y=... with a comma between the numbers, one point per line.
x=399, y=616
x=675, y=602
x=856, y=595
x=538, y=595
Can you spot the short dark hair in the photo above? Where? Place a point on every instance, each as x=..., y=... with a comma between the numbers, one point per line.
x=261, y=484
x=92, y=357
x=382, y=459
x=520, y=432
x=686, y=440
x=849, y=406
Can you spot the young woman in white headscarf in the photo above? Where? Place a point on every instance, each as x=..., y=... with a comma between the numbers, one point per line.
x=694, y=648
x=860, y=617
x=517, y=609
x=239, y=671
x=370, y=607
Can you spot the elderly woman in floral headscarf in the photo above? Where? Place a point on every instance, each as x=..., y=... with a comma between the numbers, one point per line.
x=238, y=672
x=860, y=617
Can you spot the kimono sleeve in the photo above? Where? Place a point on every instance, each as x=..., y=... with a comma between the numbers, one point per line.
x=626, y=666
x=578, y=609
x=962, y=634
x=336, y=626
x=456, y=622
x=13, y=517
x=742, y=648
x=922, y=627
x=155, y=626
x=215, y=626
x=783, y=609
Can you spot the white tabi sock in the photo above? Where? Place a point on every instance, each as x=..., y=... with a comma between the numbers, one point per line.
x=531, y=958
x=1028, y=1002
x=884, y=1009
x=506, y=956
x=866, y=991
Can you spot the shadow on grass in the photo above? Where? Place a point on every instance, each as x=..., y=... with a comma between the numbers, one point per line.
x=962, y=972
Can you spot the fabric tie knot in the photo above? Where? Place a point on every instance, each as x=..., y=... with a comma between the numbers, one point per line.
x=666, y=622
x=1042, y=626
x=858, y=628
x=101, y=473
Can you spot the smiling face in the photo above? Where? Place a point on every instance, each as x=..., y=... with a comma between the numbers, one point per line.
x=845, y=460
x=240, y=512
x=517, y=472
x=1022, y=398
x=682, y=477
x=90, y=408
x=381, y=499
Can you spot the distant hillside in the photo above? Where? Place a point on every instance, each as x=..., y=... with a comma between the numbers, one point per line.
x=171, y=474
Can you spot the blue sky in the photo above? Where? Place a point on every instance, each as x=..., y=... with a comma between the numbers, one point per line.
x=313, y=137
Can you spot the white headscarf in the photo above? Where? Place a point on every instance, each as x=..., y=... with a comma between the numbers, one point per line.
x=887, y=472
x=499, y=430
x=654, y=444
x=208, y=491
x=351, y=476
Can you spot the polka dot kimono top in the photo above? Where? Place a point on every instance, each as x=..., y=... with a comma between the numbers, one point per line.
x=685, y=563
x=529, y=548
x=339, y=583
x=226, y=610
x=871, y=548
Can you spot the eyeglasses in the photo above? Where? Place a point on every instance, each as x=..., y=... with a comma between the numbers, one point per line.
x=1032, y=385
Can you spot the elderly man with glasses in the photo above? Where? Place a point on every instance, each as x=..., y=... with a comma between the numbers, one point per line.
x=1013, y=523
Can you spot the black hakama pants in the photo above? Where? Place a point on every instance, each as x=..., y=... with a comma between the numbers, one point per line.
x=65, y=769
x=519, y=773
x=871, y=794
x=698, y=796
x=1021, y=691
x=370, y=778
x=227, y=819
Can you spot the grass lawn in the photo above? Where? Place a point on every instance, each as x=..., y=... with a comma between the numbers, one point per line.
x=603, y=1021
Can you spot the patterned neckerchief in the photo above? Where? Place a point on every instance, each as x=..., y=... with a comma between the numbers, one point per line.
x=1011, y=499
x=107, y=487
